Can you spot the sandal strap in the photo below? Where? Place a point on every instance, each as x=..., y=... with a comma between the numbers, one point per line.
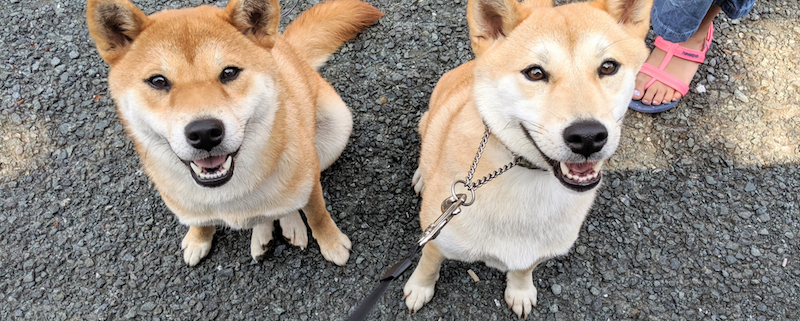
x=657, y=74
x=685, y=53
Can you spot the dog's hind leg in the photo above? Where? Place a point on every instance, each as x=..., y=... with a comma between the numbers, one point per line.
x=334, y=245
x=417, y=182
x=334, y=124
x=259, y=240
x=420, y=286
x=294, y=230
x=197, y=243
x=520, y=293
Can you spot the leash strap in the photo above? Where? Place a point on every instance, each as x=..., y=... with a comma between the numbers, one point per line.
x=450, y=207
x=363, y=309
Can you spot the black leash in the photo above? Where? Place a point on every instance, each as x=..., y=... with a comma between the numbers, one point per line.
x=450, y=207
x=393, y=273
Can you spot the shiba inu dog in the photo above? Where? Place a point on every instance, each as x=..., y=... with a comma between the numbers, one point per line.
x=552, y=86
x=231, y=120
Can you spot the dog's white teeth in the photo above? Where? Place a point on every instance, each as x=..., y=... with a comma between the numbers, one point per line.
x=597, y=166
x=227, y=163
x=580, y=178
x=212, y=173
x=219, y=173
x=564, y=168
x=197, y=169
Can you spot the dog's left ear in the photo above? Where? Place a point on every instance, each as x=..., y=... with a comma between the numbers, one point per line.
x=257, y=19
x=634, y=15
x=492, y=20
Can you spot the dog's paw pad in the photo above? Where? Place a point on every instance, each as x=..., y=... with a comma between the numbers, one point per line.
x=416, y=295
x=194, y=250
x=336, y=249
x=294, y=230
x=521, y=301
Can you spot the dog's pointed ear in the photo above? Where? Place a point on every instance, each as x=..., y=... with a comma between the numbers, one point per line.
x=634, y=15
x=492, y=20
x=257, y=19
x=114, y=24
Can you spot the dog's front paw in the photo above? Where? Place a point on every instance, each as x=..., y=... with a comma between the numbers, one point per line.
x=294, y=230
x=260, y=240
x=417, y=294
x=335, y=247
x=196, y=244
x=521, y=300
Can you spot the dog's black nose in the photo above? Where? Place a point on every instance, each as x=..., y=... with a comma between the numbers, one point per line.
x=205, y=133
x=586, y=137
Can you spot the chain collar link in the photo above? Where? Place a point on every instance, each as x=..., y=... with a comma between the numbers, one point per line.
x=452, y=205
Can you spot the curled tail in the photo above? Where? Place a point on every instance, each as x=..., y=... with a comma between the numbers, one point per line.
x=322, y=29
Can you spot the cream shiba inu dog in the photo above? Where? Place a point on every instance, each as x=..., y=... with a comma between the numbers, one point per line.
x=552, y=85
x=231, y=120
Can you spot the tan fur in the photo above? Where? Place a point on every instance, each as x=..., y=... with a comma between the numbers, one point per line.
x=281, y=118
x=524, y=216
x=315, y=41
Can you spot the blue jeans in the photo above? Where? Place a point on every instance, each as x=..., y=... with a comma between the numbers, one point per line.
x=677, y=20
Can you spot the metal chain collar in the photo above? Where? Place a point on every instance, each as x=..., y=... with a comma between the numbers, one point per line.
x=452, y=205
x=473, y=186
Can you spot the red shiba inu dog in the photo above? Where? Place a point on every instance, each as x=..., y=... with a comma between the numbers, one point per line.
x=231, y=120
x=552, y=86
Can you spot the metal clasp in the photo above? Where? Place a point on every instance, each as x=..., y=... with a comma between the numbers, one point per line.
x=450, y=207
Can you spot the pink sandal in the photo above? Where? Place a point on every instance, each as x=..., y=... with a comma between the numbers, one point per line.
x=658, y=74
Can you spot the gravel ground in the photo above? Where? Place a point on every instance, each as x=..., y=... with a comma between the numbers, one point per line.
x=698, y=218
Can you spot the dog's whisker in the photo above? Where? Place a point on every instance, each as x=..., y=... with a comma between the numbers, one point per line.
x=538, y=127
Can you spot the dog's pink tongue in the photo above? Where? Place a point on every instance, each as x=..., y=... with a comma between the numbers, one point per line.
x=211, y=162
x=581, y=168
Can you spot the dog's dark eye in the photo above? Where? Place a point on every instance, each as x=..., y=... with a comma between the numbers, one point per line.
x=228, y=74
x=608, y=68
x=535, y=73
x=158, y=82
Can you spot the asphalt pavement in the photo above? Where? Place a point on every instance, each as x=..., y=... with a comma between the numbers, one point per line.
x=698, y=218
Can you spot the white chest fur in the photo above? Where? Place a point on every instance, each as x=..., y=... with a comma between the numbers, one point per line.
x=518, y=219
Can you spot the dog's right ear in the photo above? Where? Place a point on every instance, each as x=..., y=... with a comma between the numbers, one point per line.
x=633, y=15
x=257, y=19
x=492, y=20
x=114, y=24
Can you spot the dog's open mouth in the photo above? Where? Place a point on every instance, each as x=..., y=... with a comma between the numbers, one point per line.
x=212, y=171
x=578, y=176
